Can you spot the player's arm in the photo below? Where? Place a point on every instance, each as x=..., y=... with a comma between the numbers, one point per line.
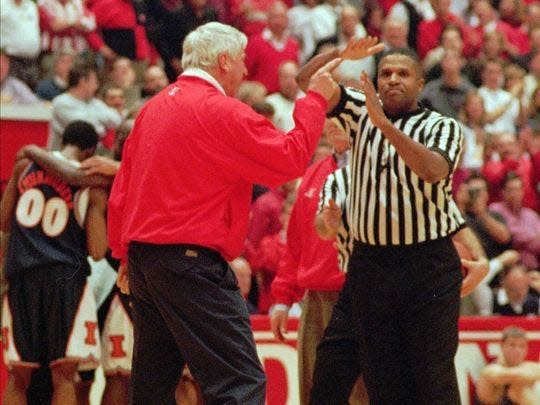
x=9, y=197
x=96, y=223
x=478, y=267
x=64, y=170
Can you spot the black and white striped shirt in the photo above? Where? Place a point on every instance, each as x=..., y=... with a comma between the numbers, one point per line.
x=390, y=204
x=336, y=187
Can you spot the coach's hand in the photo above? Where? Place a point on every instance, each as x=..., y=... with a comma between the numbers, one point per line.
x=323, y=83
x=122, y=279
x=278, y=322
x=476, y=271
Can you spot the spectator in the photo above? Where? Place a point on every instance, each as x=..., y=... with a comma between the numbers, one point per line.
x=532, y=80
x=268, y=256
x=79, y=103
x=19, y=38
x=324, y=20
x=523, y=222
x=48, y=89
x=489, y=227
x=266, y=51
x=69, y=25
x=242, y=271
x=514, y=298
x=169, y=22
x=283, y=101
x=509, y=158
x=472, y=117
x=480, y=301
x=373, y=19
x=514, y=83
x=123, y=75
x=154, y=80
x=13, y=90
x=451, y=39
x=502, y=107
x=265, y=217
x=252, y=15
x=394, y=33
x=515, y=42
x=119, y=25
x=413, y=12
x=115, y=98
x=447, y=94
x=511, y=379
x=300, y=20
x=351, y=27
x=429, y=31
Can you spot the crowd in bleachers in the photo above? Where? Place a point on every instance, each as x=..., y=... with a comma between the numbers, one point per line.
x=101, y=60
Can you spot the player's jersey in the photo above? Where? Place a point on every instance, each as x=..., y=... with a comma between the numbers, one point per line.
x=48, y=227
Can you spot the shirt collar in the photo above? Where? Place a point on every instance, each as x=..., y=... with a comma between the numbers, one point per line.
x=268, y=36
x=202, y=74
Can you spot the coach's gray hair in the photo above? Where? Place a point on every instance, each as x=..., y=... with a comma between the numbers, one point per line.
x=203, y=45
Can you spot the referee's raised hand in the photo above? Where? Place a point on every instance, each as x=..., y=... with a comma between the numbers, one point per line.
x=323, y=83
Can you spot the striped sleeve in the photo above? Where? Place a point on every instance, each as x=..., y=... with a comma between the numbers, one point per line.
x=335, y=187
x=446, y=138
x=348, y=110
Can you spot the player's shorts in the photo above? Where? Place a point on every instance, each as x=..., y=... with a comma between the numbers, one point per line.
x=49, y=316
x=117, y=334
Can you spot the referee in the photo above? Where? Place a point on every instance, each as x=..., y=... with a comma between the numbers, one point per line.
x=403, y=286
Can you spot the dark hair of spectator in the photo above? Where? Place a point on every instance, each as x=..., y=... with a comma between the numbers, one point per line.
x=509, y=177
x=79, y=71
x=513, y=332
x=80, y=134
x=3, y=52
x=475, y=176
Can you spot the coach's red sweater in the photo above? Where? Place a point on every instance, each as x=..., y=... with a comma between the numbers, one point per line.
x=310, y=263
x=190, y=162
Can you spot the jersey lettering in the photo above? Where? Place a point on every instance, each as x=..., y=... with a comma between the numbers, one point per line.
x=91, y=328
x=117, y=349
x=32, y=209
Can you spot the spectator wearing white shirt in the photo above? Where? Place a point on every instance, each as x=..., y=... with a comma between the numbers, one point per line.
x=502, y=107
x=283, y=101
x=79, y=103
x=19, y=37
x=351, y=27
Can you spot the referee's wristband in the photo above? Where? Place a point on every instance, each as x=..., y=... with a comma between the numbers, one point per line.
x=281, y=307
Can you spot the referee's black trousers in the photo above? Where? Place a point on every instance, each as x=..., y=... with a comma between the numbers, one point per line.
x=403, y=304
x=187, y=308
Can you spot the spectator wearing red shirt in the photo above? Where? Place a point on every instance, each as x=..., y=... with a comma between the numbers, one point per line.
x=179, y=209
x=268, y=50
x=429, y=32
x=511, y=159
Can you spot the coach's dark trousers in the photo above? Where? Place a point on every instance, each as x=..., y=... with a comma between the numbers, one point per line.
x=403, y=305
x=187, y=308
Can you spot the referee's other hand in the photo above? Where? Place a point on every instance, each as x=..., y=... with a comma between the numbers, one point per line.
x=322, y=82
x=476, y=271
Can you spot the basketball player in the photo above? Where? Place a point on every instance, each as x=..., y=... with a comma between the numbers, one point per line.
x=49, y=315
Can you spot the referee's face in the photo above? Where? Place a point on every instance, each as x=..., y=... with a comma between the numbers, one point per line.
x=400, y=82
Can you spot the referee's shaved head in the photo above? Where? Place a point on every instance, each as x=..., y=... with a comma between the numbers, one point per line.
x=406, y=52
